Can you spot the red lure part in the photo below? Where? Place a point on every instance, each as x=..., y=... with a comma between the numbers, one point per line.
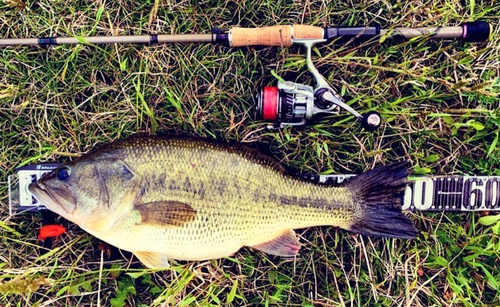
x=50, y=231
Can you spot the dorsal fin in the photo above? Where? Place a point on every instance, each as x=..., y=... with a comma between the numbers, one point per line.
x=118, y=149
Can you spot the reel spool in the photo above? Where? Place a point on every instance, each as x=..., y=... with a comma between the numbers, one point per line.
x=295, y=104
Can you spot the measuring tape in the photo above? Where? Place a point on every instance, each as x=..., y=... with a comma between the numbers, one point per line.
x=432, y=193
x=444, y=193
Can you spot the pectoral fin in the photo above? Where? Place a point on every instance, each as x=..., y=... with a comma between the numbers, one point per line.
x=286, y=245
x=153, y=260
x=166, y=213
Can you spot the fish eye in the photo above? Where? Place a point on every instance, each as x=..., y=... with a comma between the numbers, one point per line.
x=63, y=173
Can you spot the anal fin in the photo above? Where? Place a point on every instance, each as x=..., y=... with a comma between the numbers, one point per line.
x=153, y=260
x=286, y=245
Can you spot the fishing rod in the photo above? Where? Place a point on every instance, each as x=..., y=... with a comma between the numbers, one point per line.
x=281, y=35
x=288, y=103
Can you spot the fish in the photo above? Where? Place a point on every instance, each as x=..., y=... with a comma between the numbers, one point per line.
x=194, y=199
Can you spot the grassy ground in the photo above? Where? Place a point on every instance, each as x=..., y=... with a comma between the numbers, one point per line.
x=439, y=100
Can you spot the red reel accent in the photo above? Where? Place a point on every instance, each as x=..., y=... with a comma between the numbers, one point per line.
x=270, y=103
x=50, y=231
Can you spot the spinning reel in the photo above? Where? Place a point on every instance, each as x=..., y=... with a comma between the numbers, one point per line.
x=295, y=104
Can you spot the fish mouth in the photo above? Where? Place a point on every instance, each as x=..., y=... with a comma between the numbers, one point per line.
x=43, y=195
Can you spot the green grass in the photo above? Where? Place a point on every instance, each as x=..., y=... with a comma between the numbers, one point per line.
x=439, y=101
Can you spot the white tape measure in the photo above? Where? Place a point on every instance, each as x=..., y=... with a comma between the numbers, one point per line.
x=432, y=193
x=444, y=193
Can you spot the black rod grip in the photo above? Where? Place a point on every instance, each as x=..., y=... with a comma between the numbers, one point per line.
x=477, y=31
x=359, y=33
x=219, y=36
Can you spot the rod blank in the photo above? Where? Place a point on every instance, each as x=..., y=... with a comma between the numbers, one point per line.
x=435, y=32
x=125, y=39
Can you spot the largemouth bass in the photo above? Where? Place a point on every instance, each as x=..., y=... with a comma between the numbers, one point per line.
x=195, y=200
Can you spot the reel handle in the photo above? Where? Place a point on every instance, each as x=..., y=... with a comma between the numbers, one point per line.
x=371, y=121
x=273, y=35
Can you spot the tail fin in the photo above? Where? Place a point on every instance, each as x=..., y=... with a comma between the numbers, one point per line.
x=380, y=195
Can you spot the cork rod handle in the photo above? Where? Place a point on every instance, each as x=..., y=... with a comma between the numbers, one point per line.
x=273, y=35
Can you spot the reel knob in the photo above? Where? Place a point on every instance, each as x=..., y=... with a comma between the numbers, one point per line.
x=371, y=121
x=320, y=100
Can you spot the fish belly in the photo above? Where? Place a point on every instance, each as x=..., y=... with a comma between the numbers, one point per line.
x=218, y=231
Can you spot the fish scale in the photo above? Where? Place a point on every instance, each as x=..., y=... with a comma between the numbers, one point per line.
x=195, y=200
